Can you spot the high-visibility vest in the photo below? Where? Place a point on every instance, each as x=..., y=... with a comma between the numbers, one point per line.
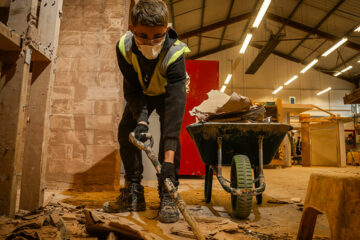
x=166, y=58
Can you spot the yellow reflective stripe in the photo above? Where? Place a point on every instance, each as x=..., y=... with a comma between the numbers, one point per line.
x=177, y=42
x=177, y=54
x=122, y=47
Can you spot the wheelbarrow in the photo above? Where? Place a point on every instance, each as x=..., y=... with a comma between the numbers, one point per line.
x=246, y=147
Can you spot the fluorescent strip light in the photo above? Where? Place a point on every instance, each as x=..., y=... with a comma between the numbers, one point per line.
x=346, y=69
x=342, y=71
x=261, y=13
x=246, y=43
x=291, y=80
x=277, y=90
x=323, y=91
x=223, y=88
x=357, y=29
x=338, y=44
x=228, y=78
x=309, y=66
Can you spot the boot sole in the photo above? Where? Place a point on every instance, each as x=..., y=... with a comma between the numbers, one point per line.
x=137, y=208
x=167, y=219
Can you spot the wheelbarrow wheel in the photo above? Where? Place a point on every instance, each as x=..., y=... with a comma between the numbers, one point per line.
x=208, y=183
x=241, y=177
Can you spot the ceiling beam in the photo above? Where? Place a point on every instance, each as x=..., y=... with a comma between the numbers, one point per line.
x=293, y=59
x=264, y=54
x=357, y=55
x=318, y=25
x=258, y=46
x=214, y=26
x=305, y=28
x=274, y=40
x=227, y=18
x=201, y=23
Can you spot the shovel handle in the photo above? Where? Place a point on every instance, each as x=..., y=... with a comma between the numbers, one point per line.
x=147, y=147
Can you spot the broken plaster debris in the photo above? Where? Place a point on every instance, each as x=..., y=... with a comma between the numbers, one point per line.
x=220, y=107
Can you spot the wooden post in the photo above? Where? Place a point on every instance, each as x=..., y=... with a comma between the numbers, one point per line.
x=287, y=144
x=34, y=168
x=14, y=95
x=305, y=140
x=340, y=144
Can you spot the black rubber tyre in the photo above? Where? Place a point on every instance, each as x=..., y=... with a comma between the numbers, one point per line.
x=208, y=183
x=257, y=184
x=241, y=177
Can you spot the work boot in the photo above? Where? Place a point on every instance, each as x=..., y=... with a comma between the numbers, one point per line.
x=131, y=199
x=169, y=212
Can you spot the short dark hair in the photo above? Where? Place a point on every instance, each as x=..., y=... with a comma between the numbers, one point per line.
x=150, y=13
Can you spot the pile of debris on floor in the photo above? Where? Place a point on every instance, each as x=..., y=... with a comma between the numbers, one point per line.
x=220, y=107
x=62, y=221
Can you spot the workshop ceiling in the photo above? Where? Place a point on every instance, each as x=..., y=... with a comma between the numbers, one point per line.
x=210, y=26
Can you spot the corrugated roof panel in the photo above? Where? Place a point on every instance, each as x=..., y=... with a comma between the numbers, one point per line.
x=187, y=22
x=208, y=44
x=338, y=26
x=242, y=6
x=282, y=8
x=234, y=31
x=193, y=45
x=184, y=6
x=301, y=52
x=215, y=11
x=311, y=16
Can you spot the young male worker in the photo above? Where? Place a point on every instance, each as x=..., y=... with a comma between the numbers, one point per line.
x=151, y=59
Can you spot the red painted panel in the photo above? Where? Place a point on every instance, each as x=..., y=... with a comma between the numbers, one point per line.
x=203, y=78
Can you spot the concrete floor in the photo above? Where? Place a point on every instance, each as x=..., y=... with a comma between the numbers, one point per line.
x=266, y=221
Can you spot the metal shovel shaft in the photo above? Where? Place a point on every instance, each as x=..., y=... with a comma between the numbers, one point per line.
x=169, y=185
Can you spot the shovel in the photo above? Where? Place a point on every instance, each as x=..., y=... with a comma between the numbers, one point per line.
x=147, y=147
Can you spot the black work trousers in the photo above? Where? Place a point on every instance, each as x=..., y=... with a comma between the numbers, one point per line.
x=131, y=155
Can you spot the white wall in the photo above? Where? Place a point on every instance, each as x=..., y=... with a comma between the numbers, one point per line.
x=274, y=72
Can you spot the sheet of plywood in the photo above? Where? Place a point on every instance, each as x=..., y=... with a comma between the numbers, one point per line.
x=324, y=144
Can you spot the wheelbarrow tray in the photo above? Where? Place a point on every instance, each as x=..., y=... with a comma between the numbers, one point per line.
x=237, y=138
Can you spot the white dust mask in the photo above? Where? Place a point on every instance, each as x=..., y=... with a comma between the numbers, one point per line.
x=151, y=51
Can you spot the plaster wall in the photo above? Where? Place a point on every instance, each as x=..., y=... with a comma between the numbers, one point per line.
x=87, y=98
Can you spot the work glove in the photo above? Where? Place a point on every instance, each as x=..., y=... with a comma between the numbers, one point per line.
x=167, y=171
x=140, y=131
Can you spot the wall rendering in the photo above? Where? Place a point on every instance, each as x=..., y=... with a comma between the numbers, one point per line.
x=87, y=100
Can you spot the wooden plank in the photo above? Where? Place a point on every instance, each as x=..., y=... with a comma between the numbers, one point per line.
x=14, y=96
x=305, y=140
x=353, y=97
x=341, y=144
x=297, y=108
x=33, y=184
x=9, y=41
x=18, y=14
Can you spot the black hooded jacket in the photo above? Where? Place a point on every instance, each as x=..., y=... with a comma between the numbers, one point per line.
x=174, y=99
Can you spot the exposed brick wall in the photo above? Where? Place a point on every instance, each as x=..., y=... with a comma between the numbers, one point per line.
x=87, y=97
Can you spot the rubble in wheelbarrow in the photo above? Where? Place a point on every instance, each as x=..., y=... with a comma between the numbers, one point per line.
x=220, y=107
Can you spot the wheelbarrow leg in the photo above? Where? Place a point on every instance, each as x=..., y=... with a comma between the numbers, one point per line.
x=258, y=170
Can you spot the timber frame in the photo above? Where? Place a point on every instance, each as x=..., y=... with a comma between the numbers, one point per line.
x=28, y=45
